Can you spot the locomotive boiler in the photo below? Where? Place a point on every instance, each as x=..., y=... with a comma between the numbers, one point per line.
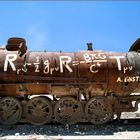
x=85, y=86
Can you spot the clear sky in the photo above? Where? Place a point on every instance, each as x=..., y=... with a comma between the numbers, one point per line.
x=69, y=25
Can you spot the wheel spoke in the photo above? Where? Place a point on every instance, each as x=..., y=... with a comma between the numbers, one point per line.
x=10, y=110
x=38, y=111
x=67, y=110
x=98, y=110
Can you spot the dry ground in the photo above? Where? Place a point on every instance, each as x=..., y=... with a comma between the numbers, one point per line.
x=115, y=130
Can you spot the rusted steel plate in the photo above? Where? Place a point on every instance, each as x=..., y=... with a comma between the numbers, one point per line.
x=97, y=72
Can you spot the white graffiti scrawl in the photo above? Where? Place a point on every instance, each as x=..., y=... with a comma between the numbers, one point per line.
x=118, y=61
x=10, y=58
x=64, y=61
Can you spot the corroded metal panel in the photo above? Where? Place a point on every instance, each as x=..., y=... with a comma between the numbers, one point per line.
x=123, y=79
x=97, y=72
x=90, y=85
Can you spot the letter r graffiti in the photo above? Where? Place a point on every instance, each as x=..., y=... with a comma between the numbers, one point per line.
x=10, y=58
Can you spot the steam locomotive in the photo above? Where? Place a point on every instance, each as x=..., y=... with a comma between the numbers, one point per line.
x=85, y=86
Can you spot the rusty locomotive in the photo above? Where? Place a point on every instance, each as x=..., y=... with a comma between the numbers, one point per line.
x=85, y=86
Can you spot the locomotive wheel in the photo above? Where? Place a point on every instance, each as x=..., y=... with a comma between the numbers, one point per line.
x=10, y=110
x=38, y=110
x=98, y=110
x=68, y=110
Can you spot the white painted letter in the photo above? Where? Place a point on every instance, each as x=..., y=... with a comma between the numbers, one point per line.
x=47, y=67
x=119, y=79
x=93, y=68
x=9, y=59
x=102, y=55
x=118, y=61
x=64, y=60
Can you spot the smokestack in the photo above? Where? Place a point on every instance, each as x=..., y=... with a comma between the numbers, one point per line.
x=89, y=45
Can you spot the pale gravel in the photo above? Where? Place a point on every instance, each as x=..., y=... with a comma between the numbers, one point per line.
x=79, y=131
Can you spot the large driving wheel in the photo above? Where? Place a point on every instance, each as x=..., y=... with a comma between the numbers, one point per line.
x=98, y=110
x=10, y=110
x=38, y=111
x=68, y=110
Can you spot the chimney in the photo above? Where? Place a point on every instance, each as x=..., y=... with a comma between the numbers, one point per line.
x=89, y=45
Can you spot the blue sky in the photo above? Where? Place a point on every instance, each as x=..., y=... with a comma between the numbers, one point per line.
x=69, y=25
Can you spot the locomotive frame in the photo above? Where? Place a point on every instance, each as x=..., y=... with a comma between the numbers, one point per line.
x=86, y=86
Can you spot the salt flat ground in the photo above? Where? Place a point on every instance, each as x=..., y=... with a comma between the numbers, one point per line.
x=115, y=130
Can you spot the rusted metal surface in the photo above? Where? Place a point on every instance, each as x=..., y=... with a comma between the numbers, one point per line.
x=38, y=111
x=10, y=110
x=86, y=83
x=108, y=71
x=68, y=110
x=98, y=110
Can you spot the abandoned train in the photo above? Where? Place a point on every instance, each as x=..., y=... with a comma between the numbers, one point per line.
x=85, y=86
